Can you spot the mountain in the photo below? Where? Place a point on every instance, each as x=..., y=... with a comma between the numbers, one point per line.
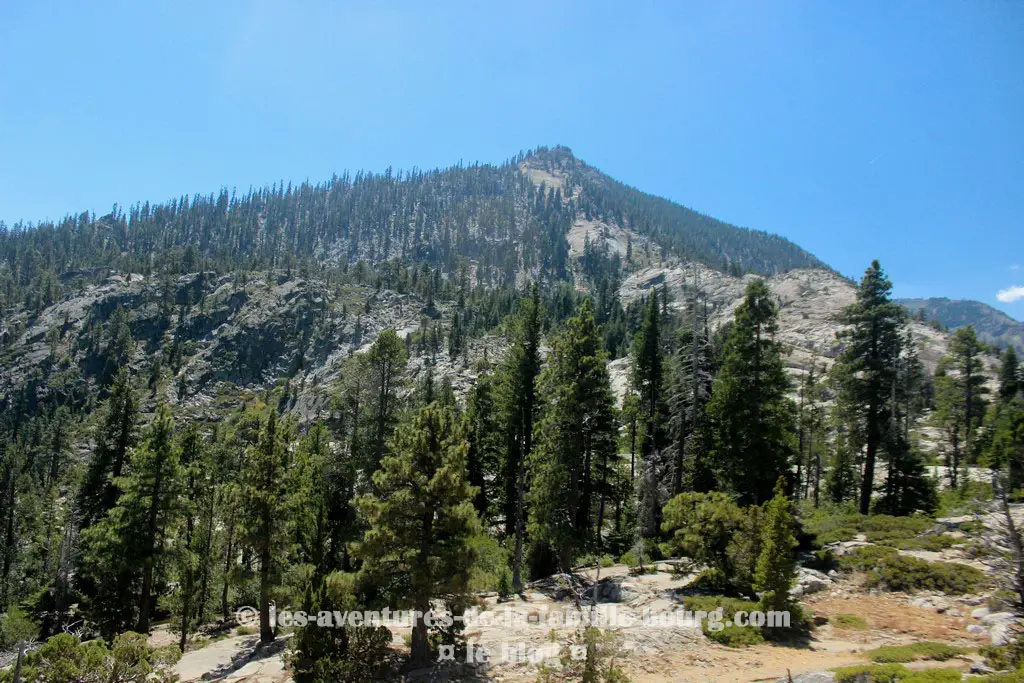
x=493, y=216
x=992, y=325
x=231, y=292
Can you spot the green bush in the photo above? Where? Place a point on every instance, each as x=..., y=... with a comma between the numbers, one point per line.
x=967, y=499
x=910, y=574
x=733, y=636
x=932, y=542
x=888, y=569
x=1003, y=677
x=894, y=673
x=849, y=622
x=65, y=658
x=934, y=676
x=1003, y=657
x=714, y=532
x=878, y=527
x=908, y=653
x=338, y=655
x=828, y=526
x=972, y=526
x=877, y=673
x=736, y=636
x=492, y=560
x=16, y=627
x=594, y=560
x=602, y=652
x=864, y=558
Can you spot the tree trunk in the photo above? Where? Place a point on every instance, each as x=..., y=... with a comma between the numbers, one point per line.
x=817, y=477
x=16, y=678
x=228, y=551
x=517, y=567
x=420, y=654
x=868, y=484
x=204, y=582
x=266, y=630
x=150, y=550
x=601, y=496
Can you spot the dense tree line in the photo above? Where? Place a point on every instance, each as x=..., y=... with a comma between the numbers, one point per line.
x=405, y=494
x=493, y=216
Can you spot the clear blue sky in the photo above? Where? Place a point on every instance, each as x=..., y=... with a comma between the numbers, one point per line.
x=858, y=130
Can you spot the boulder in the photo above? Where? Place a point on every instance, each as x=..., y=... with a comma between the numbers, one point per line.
x=812, y=677
x=979, y=667
x=809, y=581
x=1000, y=627
x=935, y=602
x=618, y=589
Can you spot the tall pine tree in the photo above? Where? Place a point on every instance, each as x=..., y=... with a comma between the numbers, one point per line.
x=417, y=547
x=753, y=418
x=865, y=369
x=519, y=407
x=576, y=440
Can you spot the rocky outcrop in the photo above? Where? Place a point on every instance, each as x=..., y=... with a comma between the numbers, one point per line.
x=221, y=335
x=810, y=301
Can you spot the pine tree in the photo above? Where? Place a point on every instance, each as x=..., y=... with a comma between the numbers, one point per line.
x=576, y=439
x=417, y=547
x=455, y=341
x=691, y=377
x=753, y=418
x=810, y=420
x=120, y=345
x=315, y=488
x=267, y=499
x=907, y=488
x=1009, y=375
x=12, y=465
x=194, y=545
x=648, y=379
x=959, y=398
x=484, y=436
x=949, y=414
x=864, y=369
x=1006, y=447
x=114, y=441
x=387, y=361
x=122, y=551
x=154, y=487
x=965, y=351
x=776, y=564
x=842, y=477
x=519, y=408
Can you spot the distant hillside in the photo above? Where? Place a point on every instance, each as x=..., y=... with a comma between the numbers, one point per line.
x=509, y=220
x=679, y=230
x=992, y=325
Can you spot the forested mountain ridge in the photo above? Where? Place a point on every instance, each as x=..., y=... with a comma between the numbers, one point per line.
x=993, y=326
x=283, y=283
x=491, y=215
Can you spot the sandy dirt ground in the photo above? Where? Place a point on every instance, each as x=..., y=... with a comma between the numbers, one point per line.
x=519, y=633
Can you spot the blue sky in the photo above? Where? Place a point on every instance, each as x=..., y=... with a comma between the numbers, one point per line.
x=858, y=130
